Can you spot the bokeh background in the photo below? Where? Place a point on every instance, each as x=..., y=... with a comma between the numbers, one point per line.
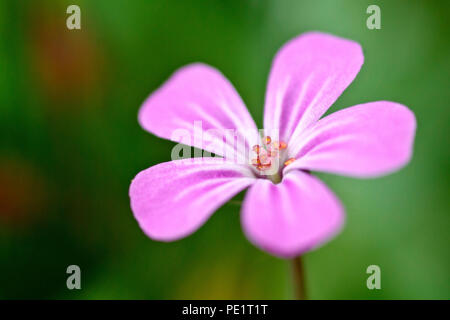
x=70, y=145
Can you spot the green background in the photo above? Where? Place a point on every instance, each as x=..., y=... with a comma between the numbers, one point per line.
x=70, y=145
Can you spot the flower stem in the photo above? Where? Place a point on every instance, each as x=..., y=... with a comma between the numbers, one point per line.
x=298, y=275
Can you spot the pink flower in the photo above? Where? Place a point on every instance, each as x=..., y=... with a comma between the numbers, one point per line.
x=173, y=199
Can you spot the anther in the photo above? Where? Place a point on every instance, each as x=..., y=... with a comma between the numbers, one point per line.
x=289, y=161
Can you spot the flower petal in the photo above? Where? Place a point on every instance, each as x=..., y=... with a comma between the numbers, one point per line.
x=308, y=74
x=173, y=199
x=291, y=217
x=366, y=140
x=196, y=92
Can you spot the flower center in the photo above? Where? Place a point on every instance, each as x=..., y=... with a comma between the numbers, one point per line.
x=268, y=156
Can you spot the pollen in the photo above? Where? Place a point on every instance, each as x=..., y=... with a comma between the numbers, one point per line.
x=289, y=161
x=282, y=145
x=267, y=140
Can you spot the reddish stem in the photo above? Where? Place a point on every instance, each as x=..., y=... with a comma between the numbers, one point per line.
x=298, y=274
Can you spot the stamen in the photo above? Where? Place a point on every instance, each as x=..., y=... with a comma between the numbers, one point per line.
x=289, y=161
x=268, y=153
x=267, y=140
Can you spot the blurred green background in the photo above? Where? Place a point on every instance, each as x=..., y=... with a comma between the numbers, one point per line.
x=70, y=145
